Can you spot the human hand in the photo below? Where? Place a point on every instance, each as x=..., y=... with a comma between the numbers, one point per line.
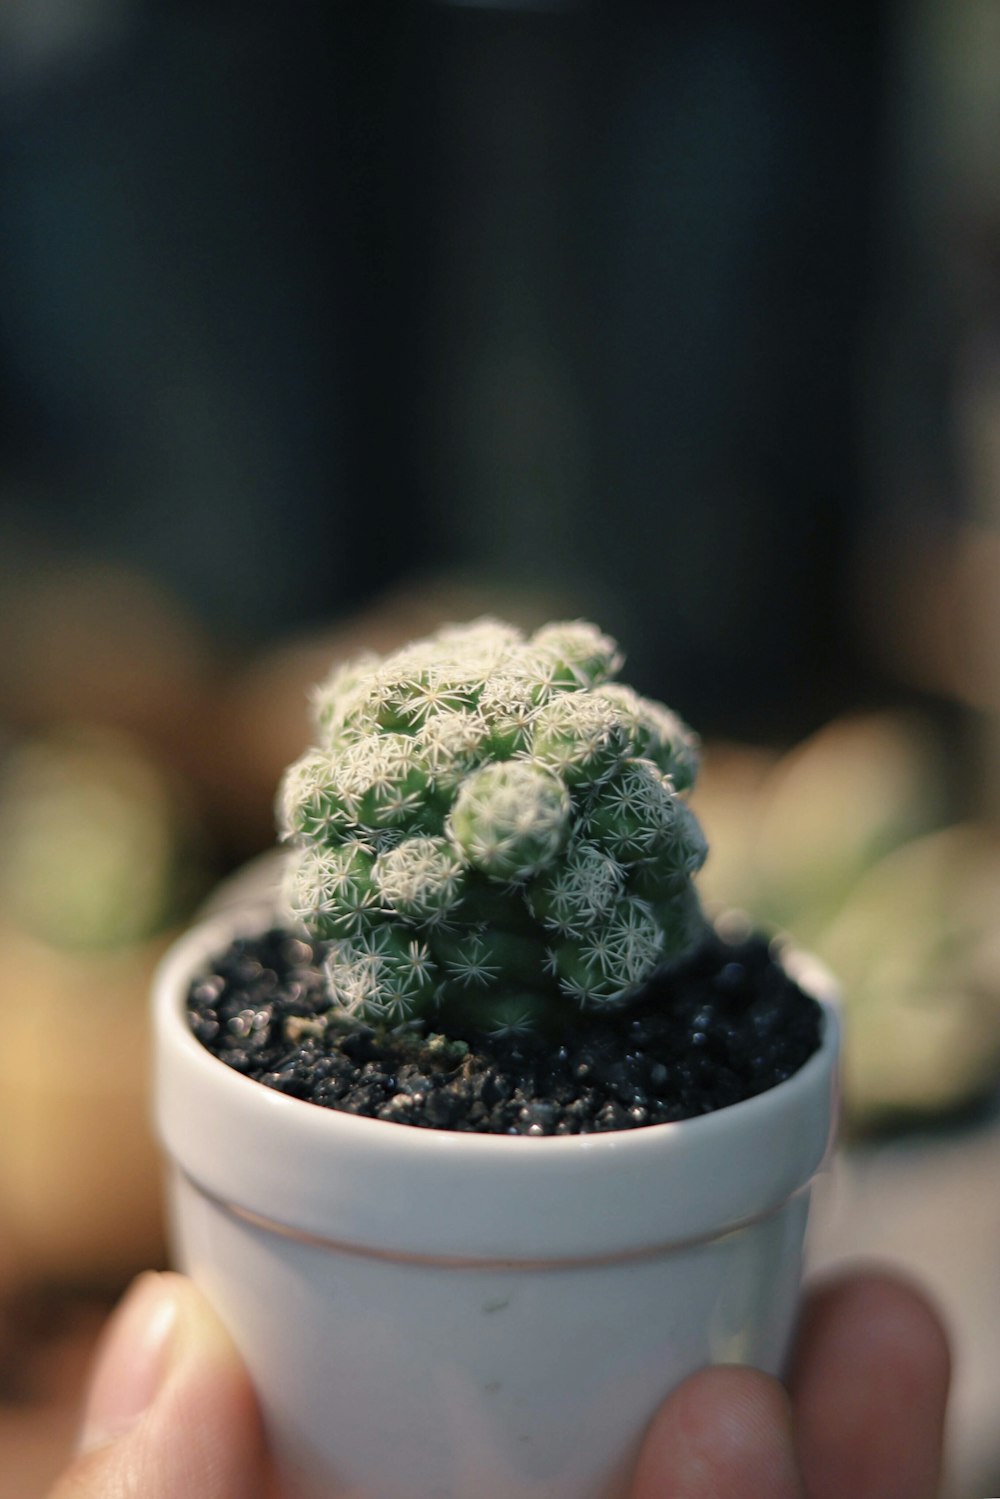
x=863, y=1414
x=171, y=1415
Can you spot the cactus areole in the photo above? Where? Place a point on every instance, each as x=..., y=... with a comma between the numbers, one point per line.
x=491, y=831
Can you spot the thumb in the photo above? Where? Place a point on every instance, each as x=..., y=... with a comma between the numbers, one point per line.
x=170, y=1413
x=725, y=1430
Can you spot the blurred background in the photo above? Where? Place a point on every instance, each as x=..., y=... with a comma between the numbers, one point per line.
x=322, y=324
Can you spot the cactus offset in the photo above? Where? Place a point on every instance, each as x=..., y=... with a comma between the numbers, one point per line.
x=491, y=830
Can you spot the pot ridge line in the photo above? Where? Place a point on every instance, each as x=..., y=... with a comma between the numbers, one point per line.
x=478, y=1262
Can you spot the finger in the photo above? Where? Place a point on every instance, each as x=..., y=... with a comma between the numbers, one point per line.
x=170, y=1413
x=869, y=1389
x=725, y=1433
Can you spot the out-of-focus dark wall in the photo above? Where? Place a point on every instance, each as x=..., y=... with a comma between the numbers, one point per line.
x=298, y=300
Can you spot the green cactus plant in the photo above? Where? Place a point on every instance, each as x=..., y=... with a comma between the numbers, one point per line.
x=491, y=830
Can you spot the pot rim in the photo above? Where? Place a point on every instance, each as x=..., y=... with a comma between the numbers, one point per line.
x=397, y=1189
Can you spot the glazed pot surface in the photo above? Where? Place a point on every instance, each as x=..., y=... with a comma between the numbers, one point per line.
x=431, y=1315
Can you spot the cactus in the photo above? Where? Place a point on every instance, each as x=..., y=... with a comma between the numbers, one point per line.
x=491, y=831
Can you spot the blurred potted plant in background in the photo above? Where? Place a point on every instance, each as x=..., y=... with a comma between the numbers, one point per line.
x=99, y=860
x=846, y=841
x=104, y=845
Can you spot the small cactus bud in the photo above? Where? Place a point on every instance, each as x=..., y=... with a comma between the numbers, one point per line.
x=331, y=890
x=451, y=744
x=611, y=959
x=508, y=703
x=483, y=645
x=388, y=975
x=386, y=783
x=678, y=861
x=418, y=695
x=580, y=736
x=312, y=802
x=420, y=879
x=510, y=819
x=340, y=704
x=578, y=891
x=657, y=733
x=581, y=655
x=632, y=813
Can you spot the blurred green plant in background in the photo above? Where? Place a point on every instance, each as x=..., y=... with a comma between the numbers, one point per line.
x=844, y=843
x=98, y=845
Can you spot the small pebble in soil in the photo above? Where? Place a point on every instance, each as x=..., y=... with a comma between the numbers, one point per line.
x=725, y=1026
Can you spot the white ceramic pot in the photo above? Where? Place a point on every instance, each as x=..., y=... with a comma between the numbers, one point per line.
x=432, y=1315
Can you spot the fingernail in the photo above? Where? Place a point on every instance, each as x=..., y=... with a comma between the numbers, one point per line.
x=131, y=1361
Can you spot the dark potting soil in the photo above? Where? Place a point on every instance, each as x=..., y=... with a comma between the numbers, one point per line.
x=727, y=1025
